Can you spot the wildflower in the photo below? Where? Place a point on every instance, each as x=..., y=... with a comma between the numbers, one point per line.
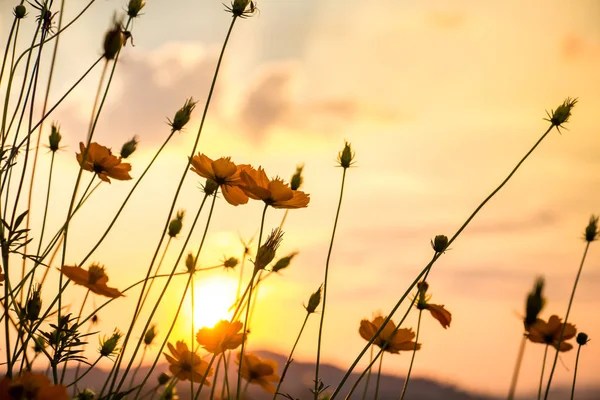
x=129, y=147
x=176, y=224
x=31, y=386
x=582, y=338
x=163, y=379
x=535, y=303
x=297, y=178
x=150, y=335
x=259, y=372
x=99, y=159
x=182, y=116
x=562, y=113
x=549, y=333
x=242, y=8
x=284, y=262
x=274, y=192
x=108, y=346
x=439, y=243
x=114, y=39
x=346, y=156
x=224, y=173
x=185, y=365
x=437, y=311
x=591, y=231
x=94, y=279
x=266, y=252
x=134, y=7
x=388, y=340
x=314, y=300
x=223, y=336
x=20, y=11
x=54, y=138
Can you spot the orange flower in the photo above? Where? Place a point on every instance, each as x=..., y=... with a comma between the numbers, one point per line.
x=32, y=387
x=549, y=333
x=259, y=372
x=224, y=336
x=185, y=365
x=437, y=311
x=224, y=173
x=401, y=340
x=94, y=279
x=274, y=192
x=99, y=159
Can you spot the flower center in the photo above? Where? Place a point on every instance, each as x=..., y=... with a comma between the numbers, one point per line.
x=95, y=273
x=98, y=168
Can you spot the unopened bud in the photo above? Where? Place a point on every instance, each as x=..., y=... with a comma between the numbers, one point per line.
x=314, y=300
x=346, y=156
x=230, y=262
x=190, y=263
x=439, y=243
x=266, y=252
x=113, y=41
x=129, y=147
x=535, y=303
x=34, y=304
x=183, y=115
x=562, y=112
x=283, y=262
x=297, y=178
x=591, y=231
x=582, y=338
x=87, y=394
x=54, y=138
x=210, y=187
x=134, y=7
x=176, y=224
x=150, y=335
x=110, y=345
x=38, y=344
x=20, y=11
x=163, y=379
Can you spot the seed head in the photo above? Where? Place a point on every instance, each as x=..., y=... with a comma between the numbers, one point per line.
x=20, y=11
x=591, y=231
x=183, y=115
x=176, y=224
x=582, y=338
x=297, y=178
x=314, y=301
x=129, y=147
x=346, y=156
x=55, y=137
x=108, y=346
x=562, y=113
x=266, y=252
x=284, y=262
x=134, y=7
x=439, y=243
x=534, y=304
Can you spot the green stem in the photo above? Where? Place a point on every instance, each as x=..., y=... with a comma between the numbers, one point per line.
x=319, y=341
x=428, y=266
x=515, y=377
x=290, y=359
x=542, y=374
x=564, y=325
x=378, y=377
x=575, y=373
x=366, y=389
x=412, y=359
x=162, y=258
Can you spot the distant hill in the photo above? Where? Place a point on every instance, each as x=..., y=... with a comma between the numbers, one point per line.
x=299, y=381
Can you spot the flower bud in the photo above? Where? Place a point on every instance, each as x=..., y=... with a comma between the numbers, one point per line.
x=582, y=338
x=113, y=41
x=134, y=7
x=87, y=394
x=38, y=344
x=109, y=346
x=163, y=379
x=591, y=231
x=176, y=224
x=34, y=304
x=297, y=178
x=210, y=187
x=562, y=112
x=242, y=8
x=94, y=320
x=346, y=156
x=230, y=262
x=284, y=262
x=183, y=115
x=535, y=303
x=190, y=263
x=129, y=147
x=266, y=252
x=150, y=335
x=20, y=11
x=54, y=138
x=314, y=300
x=439, y=243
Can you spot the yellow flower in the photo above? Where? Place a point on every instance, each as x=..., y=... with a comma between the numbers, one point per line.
x=549, y=333
x=222, y=337
x=33, y=387
x=185, y=365
x=401, y=340
x=274, y=192
x=224, y=173
x=99, y=159
x=437, y=311
x=94, y=279
x=260, y=372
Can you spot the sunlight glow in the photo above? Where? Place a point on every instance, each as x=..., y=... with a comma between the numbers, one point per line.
x=212, y=298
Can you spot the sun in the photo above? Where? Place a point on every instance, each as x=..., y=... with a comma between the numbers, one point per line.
x=213, y=296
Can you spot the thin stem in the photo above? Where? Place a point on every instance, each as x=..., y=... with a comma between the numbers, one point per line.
x=226, y=374
x=542, y=374
x=575, y=373
x=192, y=332
x=378, y=377
x=162, y=258
x=368, y=377
x=319, y=341
x=515, y=377
x=564, y=325
x=254, y=273
x=137, y=369
x=290, y=359
x=428, y=266
x=85, y=373
x=412, y=359
x=216, y=376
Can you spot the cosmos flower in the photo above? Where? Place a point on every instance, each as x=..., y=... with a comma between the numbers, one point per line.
x=32, y=386
x=99, y=159
x=185, y=365
x=401, y=340
x=223, y=336
x=94, y=279
x=549, y=333
x=259, y=372
x=274, y=192
x=224, y=173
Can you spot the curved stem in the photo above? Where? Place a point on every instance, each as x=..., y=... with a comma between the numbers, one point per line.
x=412, y=359
x=366, y=389
x=564, y=325
x=290, y=359
x=378, y=377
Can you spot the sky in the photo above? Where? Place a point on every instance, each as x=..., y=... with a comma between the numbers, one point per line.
x=438, y=99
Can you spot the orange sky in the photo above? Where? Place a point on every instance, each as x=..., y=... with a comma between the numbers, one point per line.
x=439, y=101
